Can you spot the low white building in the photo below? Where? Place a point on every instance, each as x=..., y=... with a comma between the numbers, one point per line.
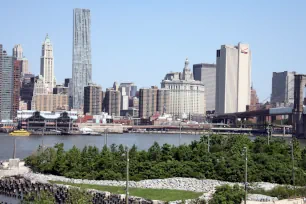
x=103, y=118
x=24, y=114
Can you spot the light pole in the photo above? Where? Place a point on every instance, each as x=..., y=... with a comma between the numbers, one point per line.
x=106, y=137
x=127, y=176
x=292, y=158
x=180, y=133
x=245, y=174
x=208, y=142
x=14, y=153
x=269, y=130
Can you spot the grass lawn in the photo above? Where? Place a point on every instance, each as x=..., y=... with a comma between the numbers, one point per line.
x=148, y=193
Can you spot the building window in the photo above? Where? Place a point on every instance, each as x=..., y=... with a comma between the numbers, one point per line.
x=218, y=53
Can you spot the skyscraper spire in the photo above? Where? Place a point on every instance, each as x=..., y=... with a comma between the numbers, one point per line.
x=18, y=52
x=47, y=64
x=186, y=63
x=187, y=75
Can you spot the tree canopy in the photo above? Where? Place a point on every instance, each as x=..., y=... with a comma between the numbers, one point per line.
x=224, y=161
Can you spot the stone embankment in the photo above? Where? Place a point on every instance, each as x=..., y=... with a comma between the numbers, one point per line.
x=187, y=184
x=207, y=186
x=18, y=187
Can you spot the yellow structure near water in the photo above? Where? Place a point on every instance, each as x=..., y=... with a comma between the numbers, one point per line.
x=21, y=132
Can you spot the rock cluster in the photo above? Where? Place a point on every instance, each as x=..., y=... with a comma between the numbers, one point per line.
x=187, y=184
x=263, y=198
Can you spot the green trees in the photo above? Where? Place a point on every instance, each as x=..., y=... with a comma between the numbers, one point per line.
x=227, y=195
x=75, y=196
x=45, y=197
x=224, y=161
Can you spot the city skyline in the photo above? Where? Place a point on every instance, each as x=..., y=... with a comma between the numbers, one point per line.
x=125, y=62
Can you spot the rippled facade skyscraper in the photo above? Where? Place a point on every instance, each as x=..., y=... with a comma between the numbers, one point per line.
x=81, y=59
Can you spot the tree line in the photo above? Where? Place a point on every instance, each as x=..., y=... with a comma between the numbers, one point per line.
x=225, y=160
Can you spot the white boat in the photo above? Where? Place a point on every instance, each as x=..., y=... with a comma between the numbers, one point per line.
x=88, y=131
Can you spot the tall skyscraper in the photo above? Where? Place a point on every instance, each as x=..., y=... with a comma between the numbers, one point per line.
x=233, y=78
x=112, y=102
x=43, y=100
x=1, y=78
x=47, y=64
x=163, y=100
x=207, y=74
x=26, y=91
x=187, y=96
x=282, y=88
x=6, y=97
x=81, y=59
x=16, y=88
x=50, y=102
x=147, y=102
x=24, y=66
x=9, y=85
x=18, y=52
x=92, y=99
x=130, y=88
x=68, y=84
x=153, y=100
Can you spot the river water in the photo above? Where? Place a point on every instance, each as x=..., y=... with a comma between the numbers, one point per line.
x=25, y=146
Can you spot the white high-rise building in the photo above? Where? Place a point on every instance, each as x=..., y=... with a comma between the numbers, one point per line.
x=18, y=52
x=24, y=66
x=186, y=94
x=233, y=78
x=124, y=98
x=47, y=64
x=81, y=57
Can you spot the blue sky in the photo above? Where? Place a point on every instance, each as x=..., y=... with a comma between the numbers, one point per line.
x=140, y=41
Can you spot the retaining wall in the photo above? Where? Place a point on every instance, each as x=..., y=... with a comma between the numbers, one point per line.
x=285, y=201
x=18, y=187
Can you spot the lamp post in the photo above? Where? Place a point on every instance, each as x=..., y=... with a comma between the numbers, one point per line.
x=292, y=158
x=269, y=131
x=245, y=174
x=127, y=176
x=180, y=133
x=208, y=142
x=105, y=136
x=14, y=153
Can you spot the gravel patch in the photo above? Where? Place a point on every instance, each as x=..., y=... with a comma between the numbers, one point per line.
x=207, y=186
x=263, y=198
